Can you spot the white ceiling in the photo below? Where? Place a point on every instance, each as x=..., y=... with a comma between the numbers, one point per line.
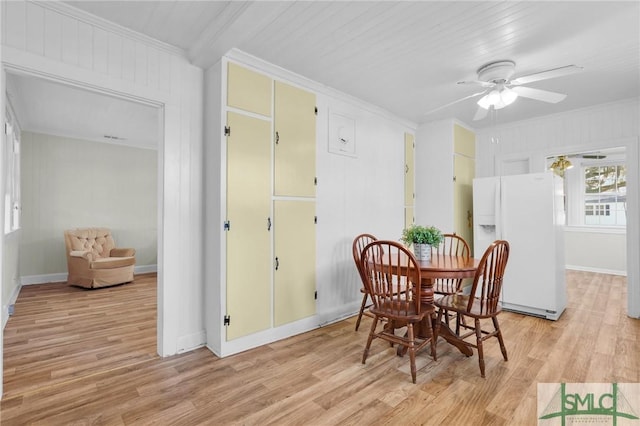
x=407, y=56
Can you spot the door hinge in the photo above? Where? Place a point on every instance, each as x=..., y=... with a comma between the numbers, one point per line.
x=454, y=178
x=315, y=110
x=227, y=225
x=227, y=131
x=315, y=295
x=227, y=320
x=315, y=181
x=315, y=220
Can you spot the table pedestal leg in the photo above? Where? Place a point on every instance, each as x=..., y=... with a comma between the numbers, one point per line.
x=447, y=334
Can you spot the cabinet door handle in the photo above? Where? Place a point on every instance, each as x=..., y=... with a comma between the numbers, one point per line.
x=277, y=138
x=277, y=263
x=268, y=224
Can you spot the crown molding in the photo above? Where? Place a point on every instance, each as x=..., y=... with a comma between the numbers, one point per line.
x=81, y=15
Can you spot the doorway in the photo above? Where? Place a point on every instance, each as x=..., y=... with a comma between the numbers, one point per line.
x=595, y=193
x=68, y=120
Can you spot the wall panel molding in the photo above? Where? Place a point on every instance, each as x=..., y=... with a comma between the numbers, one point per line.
x=80, y=15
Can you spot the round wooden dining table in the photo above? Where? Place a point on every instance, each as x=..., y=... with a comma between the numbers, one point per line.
x=440, y=266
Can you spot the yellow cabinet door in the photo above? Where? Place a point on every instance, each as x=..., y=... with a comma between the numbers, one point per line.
x=408, y=216
x=464, y=170
x=295, y=141
x=295, y=260
x=248, y=90
x=409, y=169
x=248, y=237
x=464, y=141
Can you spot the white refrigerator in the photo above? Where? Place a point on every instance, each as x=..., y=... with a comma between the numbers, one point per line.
x=527, y=211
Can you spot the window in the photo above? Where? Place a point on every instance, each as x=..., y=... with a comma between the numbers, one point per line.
x=12, y=174
x=605, y=195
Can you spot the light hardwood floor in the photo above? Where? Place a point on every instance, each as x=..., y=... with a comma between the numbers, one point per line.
x=75, y=356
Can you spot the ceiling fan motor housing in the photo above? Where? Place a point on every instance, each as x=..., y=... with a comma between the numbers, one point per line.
x=497, y=72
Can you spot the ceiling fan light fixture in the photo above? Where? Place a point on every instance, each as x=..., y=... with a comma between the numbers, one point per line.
x=498, y=99
x=560, y=165
x=483, y=102
x=491, y=99
x=508, y=96
x=495, y=99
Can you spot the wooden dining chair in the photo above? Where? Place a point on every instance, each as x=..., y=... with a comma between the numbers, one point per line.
x=452, y=245
x=482, y=303
x=359, y=243
x=393, y=280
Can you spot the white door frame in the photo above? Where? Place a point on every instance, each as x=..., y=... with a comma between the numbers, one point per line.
x=159, y=103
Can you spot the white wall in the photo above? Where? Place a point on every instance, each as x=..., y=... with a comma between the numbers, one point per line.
x=602, y=126
x=52, y=40
x=71, y=183
x=362, y=194
x=355, y=194
x=596, y=250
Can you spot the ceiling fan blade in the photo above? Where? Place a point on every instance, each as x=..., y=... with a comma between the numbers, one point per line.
x=539, y=95
x=544, y=75
x=480, y=114
x=478, y=82
x=455, y=102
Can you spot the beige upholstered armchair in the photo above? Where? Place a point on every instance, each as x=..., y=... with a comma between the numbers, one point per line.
x=94, y=261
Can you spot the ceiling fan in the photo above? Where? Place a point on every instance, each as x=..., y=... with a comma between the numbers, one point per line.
x=500, y=89
x=562, y=162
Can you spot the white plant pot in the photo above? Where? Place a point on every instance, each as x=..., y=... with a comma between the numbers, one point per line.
x=422, y=252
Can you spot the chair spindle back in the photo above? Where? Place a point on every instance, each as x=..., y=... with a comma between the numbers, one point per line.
x=392, y=278
x=487, y=283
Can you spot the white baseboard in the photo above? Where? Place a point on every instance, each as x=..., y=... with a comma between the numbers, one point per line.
x=43, y=279
x=145, y=269
x=596, y=270
x=62, y=277
x=339, y=313
x=12, y=300
x=191, y=342
x=271, y=335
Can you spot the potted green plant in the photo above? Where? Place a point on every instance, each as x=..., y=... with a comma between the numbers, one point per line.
x=422, y=238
